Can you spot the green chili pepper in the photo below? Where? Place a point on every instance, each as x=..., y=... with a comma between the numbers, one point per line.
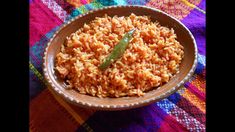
x=118, y=50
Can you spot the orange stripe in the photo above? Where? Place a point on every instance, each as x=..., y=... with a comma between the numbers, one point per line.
x=175, y=8
x=75, y=3
x=200, y=83
x=194, y=100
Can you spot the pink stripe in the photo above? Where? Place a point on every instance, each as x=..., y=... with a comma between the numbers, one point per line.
x=193, y=111
x=196, y=91
x=186, y=120
x=42, y=20
x=181, y=116
x=171, y=125
x=83, y=2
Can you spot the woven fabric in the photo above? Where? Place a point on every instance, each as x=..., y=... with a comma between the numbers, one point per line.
x=182, y=111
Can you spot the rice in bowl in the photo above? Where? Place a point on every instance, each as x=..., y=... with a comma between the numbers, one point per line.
x=151, y=59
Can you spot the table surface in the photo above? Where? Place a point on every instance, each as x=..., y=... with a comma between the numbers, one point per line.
x=182, y=111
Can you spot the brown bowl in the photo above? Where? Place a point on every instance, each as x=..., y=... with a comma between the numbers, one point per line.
x=187, y=66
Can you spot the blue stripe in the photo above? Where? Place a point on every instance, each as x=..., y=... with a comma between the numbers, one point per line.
x=74, y=13
x=88, y=6
x=165, y=105
x=174, y=98
x=199, y=69
x=121, y=2
x=108, y=2
x=202, y=59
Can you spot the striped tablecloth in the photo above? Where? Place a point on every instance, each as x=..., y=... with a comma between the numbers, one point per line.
x=182, y=111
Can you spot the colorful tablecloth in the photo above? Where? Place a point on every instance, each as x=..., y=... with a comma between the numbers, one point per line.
x=182, y=111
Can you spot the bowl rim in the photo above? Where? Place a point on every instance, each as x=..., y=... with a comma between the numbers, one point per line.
x=124, y=106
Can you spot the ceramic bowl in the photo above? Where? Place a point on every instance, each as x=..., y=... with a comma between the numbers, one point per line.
x=186, y=69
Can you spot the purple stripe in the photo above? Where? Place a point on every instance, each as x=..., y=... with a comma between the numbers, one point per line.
x=195, y=90
x=195, y=21
x=148, y=118
x=202, y=5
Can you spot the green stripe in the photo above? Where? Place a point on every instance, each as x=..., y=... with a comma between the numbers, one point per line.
x=82, y=9
x=96, y=4
x=36, y=72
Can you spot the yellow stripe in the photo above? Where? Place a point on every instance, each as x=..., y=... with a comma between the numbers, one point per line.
x=194, y=100
x=36, y=72
x=193, y=6
x=60, y=100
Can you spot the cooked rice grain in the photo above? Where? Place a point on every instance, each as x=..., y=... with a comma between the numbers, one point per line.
x=151, y=59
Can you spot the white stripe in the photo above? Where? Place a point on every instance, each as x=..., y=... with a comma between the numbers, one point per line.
x=56, y=9
x=181, y=116
x=202, y=59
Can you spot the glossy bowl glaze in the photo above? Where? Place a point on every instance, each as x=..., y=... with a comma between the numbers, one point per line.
x=187, y=66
